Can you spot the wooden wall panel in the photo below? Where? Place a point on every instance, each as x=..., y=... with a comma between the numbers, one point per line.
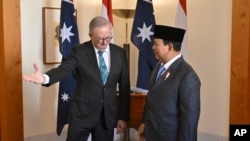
x=11, y=107
x=1, y=66
x=240, y=63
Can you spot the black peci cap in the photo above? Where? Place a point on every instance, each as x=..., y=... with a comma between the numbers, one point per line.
x=169, y=33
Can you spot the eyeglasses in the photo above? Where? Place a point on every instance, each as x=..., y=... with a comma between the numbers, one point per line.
x=101, y=40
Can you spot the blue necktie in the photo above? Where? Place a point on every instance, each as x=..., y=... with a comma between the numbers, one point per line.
x=103, y=67
x=160, y=72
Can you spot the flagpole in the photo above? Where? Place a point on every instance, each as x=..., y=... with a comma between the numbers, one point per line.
x=126, y=14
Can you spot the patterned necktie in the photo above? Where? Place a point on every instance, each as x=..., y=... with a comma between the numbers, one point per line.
x=160, y=72
x=103, y=67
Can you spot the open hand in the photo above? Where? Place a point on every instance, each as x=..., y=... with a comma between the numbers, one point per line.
x=36, y=77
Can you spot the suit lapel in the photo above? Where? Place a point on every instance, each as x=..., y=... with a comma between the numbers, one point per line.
x=169, y=73
x=93, y=61
x=113, y=56
x=154, y=74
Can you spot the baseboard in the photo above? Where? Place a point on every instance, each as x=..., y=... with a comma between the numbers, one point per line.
x=55, y=137
x=133, y=136
x=210, y=137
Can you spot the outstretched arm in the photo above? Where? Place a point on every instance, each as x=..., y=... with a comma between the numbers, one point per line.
x=36, y=77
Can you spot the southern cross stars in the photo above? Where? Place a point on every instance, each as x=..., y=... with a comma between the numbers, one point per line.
x=145, y=32
x=65, y=97
x=66, y=33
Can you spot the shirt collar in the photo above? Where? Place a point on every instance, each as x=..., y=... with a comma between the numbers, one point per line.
x=105, y=51
x=170, y=62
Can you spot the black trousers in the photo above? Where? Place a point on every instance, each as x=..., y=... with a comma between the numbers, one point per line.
x=99, y=133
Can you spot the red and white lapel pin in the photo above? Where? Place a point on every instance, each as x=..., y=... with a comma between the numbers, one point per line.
x=167, y=75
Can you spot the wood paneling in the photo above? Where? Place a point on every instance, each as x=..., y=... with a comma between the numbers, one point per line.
x=136, y=109
x=240, y=63
x=137, y=102
x=11, y=107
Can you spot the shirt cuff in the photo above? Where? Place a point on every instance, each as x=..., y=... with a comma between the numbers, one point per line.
x=46, y=81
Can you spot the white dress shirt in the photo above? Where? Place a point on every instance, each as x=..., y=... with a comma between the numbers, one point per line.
x=170, y=62
x=106, y=56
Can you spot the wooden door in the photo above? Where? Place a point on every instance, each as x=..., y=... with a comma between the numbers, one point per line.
x=11, y=107
x=240, y=63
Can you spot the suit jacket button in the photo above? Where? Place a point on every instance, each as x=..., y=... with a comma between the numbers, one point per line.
x=102, y=101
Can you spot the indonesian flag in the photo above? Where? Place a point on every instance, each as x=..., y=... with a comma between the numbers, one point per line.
x=107, y=13
x=181, y=22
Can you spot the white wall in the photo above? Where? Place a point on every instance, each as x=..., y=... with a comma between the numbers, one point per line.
x=209, y=43
x=210, y=37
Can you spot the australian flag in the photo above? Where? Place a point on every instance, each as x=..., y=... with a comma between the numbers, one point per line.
x=142, y=37
x=68, y=38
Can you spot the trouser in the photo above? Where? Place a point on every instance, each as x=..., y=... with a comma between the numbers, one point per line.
x=100, y=132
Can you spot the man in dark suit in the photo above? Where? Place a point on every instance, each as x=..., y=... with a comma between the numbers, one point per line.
x=172, y=107
x=93, y=109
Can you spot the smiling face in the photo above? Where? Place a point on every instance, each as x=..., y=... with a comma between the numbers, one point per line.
x=101, y=36
x=164, y=50
x=100, y=32
x=161, y=51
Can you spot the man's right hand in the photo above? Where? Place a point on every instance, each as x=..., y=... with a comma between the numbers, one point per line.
x=36, y=77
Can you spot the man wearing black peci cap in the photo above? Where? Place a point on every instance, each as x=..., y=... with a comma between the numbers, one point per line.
x=172, y=108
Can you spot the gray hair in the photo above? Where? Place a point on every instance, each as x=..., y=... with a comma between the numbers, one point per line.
x=98, y=21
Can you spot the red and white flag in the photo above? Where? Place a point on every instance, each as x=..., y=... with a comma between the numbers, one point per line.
x=107, y=13
x=181, y=22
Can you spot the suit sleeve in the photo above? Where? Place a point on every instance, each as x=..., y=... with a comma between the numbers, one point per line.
x=64, y=69
x=124, y=90
x=189, y=102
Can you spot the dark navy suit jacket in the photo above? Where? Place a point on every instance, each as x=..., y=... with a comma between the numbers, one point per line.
x=172, y=107
x=91, y=95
